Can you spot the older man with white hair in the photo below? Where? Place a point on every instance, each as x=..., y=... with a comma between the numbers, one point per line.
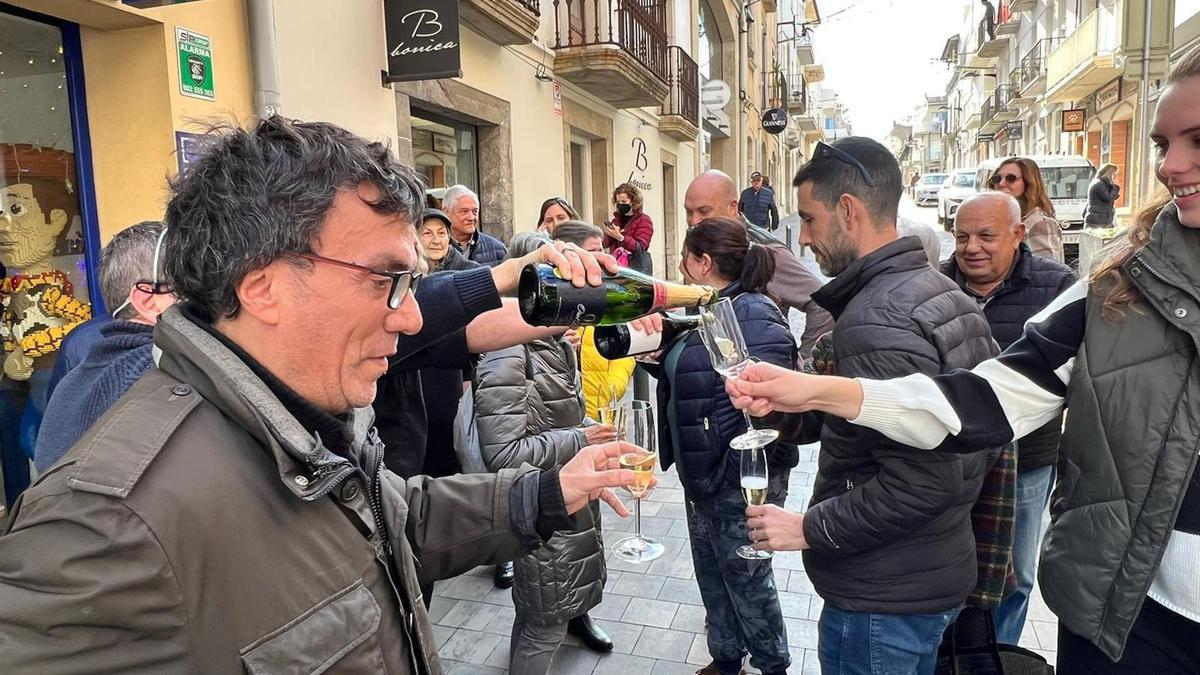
x=993, y=265
x=462, y=205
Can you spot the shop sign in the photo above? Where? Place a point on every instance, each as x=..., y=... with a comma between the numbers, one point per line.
x=422, y=39
x=195, y=64
x=774, y=120
x=189, y=148
x=985, y=138
x=1073, y=120
x=558, y=106
x=1016, y=131
x=640, y=163
x=715, y=94
x=1109, y=94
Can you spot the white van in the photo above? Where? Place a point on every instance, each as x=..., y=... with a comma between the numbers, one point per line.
x=1067, y=178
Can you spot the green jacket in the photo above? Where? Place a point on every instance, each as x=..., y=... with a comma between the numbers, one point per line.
x=199, y=528
x=1129, y=448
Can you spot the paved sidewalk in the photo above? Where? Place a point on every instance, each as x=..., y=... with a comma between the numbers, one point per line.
x=652, y=612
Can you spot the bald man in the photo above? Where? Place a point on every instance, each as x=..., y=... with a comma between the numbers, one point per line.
x=993, y=265
x=713, y=194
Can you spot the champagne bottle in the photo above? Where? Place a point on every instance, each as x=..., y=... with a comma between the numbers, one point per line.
x=548, y=300
x=616, y=342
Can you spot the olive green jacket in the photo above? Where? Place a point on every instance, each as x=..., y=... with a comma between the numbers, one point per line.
x=199, y=528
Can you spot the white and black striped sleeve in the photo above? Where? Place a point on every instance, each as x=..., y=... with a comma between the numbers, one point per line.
x=999, y=400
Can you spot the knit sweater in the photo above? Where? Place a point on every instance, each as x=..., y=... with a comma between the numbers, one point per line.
x=114, y=363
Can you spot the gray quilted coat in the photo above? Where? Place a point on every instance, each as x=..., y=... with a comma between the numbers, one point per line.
x=529, y=410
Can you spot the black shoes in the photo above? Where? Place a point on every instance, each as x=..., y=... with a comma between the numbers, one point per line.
x=593, y=636
x=504, y=575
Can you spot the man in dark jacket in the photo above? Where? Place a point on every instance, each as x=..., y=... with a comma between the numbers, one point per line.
x=230, y=513
x=462, y=205
x=992, y=265
x=887, y=538
x=129, y=282
x=757, y=203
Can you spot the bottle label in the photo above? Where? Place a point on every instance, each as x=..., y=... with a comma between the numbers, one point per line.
x=579, y=306
x=641, y=343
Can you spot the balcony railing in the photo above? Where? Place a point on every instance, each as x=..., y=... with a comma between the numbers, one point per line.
x=684, y=80
x=505, y=22
x=1005, y=24
x=1033, y=64
x=534, y=6
x=995, y=104
x=636, y=26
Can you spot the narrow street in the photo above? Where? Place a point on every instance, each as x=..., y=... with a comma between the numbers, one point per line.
x=653, y=612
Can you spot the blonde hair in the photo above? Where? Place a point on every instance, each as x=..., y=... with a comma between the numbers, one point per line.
x=1107, y=171
x=1109, y=278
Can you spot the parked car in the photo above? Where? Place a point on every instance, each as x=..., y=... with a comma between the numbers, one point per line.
x=958, y=186
x=928, y=188
x=1067, y=178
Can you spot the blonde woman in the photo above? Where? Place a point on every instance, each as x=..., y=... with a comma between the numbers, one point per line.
x=1102, y=197
x=1021, y=178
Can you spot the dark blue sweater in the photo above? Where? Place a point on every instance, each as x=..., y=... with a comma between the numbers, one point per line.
x=114, y=363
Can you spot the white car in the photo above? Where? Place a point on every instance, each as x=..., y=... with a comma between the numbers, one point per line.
x=959, y=186
x=928, y=188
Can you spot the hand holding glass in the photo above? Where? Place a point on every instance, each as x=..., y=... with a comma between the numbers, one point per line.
x=639, y=419
x=727, y=349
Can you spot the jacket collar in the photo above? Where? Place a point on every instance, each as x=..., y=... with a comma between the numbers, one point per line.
x=1017, y=276
x=194, y=356
x=1173, y=253
x=903, y=255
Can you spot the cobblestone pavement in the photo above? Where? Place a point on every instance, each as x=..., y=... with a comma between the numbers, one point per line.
x=652, y=612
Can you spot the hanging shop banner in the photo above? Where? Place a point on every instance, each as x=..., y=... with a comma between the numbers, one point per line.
x=195, y=64
x=774, y=120
x=1016, y=131
x=422, y=39
x=985, y=138
x=1073, y=120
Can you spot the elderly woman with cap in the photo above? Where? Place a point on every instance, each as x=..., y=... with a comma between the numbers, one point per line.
x=435, y=241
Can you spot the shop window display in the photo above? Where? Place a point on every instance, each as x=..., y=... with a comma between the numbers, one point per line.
x=43, y=291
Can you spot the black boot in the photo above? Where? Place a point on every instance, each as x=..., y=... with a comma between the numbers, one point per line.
x=593, y=636
x=504, y=575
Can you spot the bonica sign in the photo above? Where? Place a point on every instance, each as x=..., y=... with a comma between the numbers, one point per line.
x=422, y=39
x=774, y=120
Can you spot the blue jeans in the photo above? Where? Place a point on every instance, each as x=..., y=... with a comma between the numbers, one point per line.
x=1033, y=493
x=863, y=643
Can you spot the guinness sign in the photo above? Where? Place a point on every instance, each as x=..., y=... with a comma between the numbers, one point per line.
x=774, y=120
x=422, y=39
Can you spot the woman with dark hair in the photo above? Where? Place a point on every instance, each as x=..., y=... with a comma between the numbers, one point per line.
x=1120, y=350
x=627, y=236
x=696, y=424
x=1021, y=178
x=554, y=211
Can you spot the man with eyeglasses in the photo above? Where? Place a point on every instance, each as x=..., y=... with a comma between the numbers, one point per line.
x=231, y=512
x=887, y=537
x=129, y=282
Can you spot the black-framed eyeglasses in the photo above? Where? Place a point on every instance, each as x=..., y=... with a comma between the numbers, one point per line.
x=1008, y=178
x=401, y=282
x=824, y=151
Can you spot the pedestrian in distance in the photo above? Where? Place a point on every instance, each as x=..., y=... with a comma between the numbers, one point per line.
x=1103, y=193
x=1021, y=178
x=462, y=205
x=1118, y=349
x=993, y=266
x=231, y=513
x=627, y=236
x=757, y=203
x=741, y=601
x=887, y=539
x=529, y=411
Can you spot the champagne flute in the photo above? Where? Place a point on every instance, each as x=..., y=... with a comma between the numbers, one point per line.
x=754, y=490
x=727, y=349
x=642, y=433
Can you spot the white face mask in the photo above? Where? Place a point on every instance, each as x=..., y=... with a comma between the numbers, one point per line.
x=157, y=255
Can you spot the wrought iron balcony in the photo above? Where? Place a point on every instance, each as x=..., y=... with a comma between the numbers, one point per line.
x=997, y=110
x=505, y=22
x=615, y=49
x=680, y=117
x=994, y=42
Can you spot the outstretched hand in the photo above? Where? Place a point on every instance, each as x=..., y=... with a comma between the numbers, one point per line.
x=763, y=388
x=592, y=474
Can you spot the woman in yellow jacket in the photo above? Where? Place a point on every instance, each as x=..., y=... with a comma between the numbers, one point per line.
x=602, y=379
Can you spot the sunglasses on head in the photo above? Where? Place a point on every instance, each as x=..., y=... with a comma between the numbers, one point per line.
x=826, y=151
x=1007, y=178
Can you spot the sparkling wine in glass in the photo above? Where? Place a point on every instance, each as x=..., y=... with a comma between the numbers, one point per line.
x=727, y=350
x=754, y=490
x=639, y=425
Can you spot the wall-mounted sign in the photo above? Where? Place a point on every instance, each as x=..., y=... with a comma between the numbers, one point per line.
x=1016, y=131
x=1108, y=94
x=189, y=148
x=637, y=176
x=985, y=138
x=1073, y=120
x=422, y=39
x=774, y=120
x=715, y=94
x=558, y=106
x=195, y=64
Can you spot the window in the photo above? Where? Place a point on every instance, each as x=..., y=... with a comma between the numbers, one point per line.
x=1067, y=182
x=445, y=151
x=711, y=65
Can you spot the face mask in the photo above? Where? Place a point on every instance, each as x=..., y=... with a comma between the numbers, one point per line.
x=624, y=209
